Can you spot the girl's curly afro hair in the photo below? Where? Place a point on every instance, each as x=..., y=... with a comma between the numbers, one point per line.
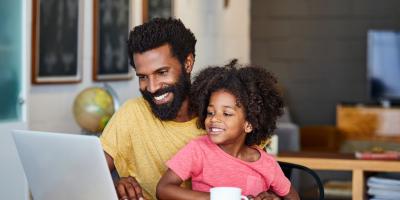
x=255, y=90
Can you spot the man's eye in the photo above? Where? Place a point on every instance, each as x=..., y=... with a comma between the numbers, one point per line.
x=163, y=72
x=141, y=77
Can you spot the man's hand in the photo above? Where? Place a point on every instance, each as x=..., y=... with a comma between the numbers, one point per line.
x=265, y=196
x=129, y=189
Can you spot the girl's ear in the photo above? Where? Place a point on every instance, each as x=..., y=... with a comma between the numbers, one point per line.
x=248, y=128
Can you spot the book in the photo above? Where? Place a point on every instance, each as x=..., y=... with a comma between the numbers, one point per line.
x=379, y=182
x=385, y=155
x=383, y=188
x=337, y=189
x=384, y=192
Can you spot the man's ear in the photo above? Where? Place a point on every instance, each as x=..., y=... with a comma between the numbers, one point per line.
x=248, y=128
x=189, y=62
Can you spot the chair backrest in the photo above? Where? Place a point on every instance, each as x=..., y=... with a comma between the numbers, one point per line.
x=297, y=174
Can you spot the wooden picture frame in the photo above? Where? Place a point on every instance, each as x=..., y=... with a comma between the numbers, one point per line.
x=157, y=8
x=55, y=42
x=110, y=33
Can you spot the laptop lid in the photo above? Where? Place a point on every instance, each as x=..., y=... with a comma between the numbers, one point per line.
x=64, y=166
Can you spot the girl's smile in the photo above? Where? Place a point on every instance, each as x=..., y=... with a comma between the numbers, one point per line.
x=215, y=130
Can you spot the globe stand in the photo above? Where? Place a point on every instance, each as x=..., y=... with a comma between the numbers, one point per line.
x=85, y=132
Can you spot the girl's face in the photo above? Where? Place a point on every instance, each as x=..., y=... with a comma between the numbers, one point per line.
x=225, y=122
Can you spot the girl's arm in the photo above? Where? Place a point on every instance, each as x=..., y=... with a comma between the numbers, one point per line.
x=292, y=195
x=169, y=188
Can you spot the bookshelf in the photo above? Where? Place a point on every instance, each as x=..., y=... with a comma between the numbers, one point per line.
x=342, y=162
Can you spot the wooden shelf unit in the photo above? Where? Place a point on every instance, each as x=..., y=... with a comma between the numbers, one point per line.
x=343, y=162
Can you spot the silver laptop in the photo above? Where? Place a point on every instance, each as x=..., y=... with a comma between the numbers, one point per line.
x=64, y=166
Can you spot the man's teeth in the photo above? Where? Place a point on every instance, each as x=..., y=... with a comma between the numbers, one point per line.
x=159, y=98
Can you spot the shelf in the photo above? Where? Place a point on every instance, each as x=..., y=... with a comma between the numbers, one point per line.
x=342, y=162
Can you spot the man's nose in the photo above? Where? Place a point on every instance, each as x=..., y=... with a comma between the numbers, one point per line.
x=152, y=85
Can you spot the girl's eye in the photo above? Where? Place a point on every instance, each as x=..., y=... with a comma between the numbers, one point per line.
x=210, y=113
x=228, y=114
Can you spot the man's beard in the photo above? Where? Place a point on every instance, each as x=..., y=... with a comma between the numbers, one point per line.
x=169, y=111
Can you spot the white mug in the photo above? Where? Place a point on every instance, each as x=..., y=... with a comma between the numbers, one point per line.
x=226, y=193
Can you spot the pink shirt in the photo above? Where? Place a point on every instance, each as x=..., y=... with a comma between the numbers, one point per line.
x=209, y=166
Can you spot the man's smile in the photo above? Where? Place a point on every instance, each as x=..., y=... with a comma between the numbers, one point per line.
x=162, y=99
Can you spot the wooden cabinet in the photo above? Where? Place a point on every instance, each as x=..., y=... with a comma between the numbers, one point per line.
x=368, y=123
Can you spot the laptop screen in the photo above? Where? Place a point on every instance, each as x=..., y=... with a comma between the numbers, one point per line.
x=64, y=166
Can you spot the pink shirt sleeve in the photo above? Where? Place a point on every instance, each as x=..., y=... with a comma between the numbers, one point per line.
x=187, y=162
x=280, y=185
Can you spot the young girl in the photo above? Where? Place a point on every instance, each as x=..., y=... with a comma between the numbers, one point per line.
x=238, y=107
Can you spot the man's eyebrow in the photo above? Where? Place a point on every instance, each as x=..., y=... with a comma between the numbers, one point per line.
x=162, y=68
x=156, y=71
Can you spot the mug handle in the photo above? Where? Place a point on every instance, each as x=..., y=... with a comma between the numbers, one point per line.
x=244, y=197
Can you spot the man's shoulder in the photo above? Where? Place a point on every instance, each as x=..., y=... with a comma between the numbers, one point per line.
x=133, y=108
x=135, y=104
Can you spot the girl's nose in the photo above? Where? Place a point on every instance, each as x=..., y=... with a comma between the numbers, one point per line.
x=214, y=118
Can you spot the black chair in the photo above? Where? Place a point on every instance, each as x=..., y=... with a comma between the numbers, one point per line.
x=301, y=175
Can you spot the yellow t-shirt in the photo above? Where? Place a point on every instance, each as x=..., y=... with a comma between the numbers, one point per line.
x=140, y=143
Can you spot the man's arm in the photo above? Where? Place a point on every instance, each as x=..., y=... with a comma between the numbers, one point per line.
x=110, y=162
x=127, y=187
x=169, y=188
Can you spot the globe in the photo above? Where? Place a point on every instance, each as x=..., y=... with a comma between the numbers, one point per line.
x=93, y=108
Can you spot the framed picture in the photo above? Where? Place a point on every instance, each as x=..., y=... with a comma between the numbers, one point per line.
x=110, y=33
x=55, y=32
x=157, y=8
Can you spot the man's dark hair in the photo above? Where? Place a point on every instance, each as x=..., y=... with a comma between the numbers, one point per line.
x=160, y=31
x=255, y=90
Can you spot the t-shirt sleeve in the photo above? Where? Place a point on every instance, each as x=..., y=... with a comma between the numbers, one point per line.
x=115, y=142
x=108, y=137
x=187, y=162
x=280, y=185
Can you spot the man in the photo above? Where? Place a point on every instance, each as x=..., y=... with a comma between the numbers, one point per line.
x=149, y=130
x=146, y=132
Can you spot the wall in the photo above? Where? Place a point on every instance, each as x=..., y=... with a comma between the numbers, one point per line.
x=51, y=105
x=222, y=33
x=318, y=50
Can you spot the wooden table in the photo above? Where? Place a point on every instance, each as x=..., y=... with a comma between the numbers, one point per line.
x=342, y=162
